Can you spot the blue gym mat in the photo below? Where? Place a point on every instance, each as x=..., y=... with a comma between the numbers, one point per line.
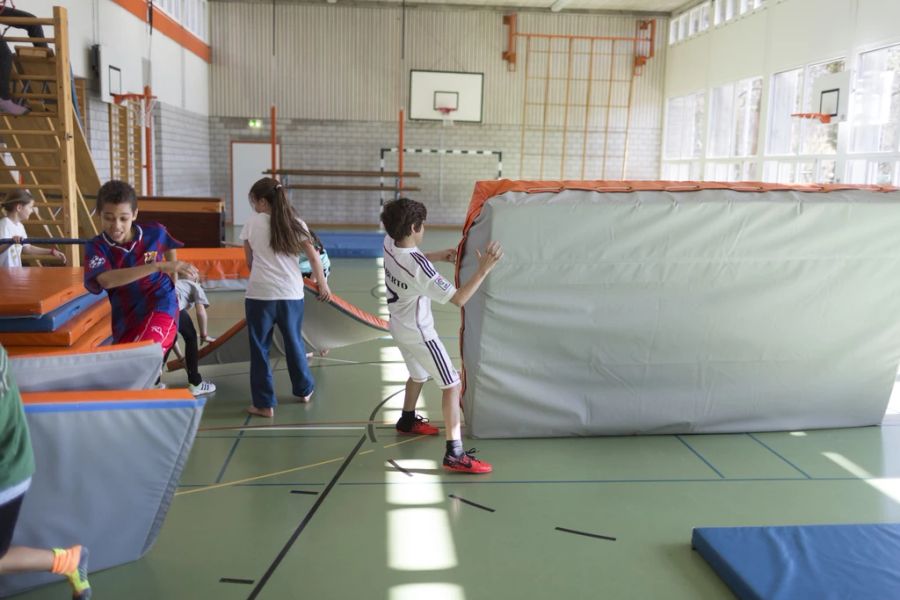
x=810, y=561
x=347, y=244
x=53, y=319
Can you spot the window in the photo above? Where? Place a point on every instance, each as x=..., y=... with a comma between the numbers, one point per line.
x=784, y=100
x=190, y=14
x=734, y=118
x=876, y=102
x=683, y=145
x=690, y=23
x=817, y=137
x=684, y=126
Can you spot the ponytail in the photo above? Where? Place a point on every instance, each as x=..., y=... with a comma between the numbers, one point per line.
x=287, y=234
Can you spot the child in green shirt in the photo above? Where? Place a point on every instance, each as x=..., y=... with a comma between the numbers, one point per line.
x=16, y=469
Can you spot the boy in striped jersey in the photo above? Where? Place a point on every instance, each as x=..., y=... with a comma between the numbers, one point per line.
x=412, y=282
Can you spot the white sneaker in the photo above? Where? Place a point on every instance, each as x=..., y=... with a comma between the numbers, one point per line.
x=202, y=388
x=9, y=107
x=160, y=386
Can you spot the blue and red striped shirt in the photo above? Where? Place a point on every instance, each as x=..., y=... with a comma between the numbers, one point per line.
x=133, y=303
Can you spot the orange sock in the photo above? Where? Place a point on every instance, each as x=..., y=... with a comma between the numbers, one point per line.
x=65, y=560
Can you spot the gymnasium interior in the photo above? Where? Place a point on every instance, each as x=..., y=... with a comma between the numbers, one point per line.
x=682, y=370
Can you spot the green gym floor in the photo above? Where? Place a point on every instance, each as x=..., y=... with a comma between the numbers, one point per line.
x=315, y=510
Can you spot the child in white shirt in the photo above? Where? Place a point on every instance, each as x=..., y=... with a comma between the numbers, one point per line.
x=18, y=206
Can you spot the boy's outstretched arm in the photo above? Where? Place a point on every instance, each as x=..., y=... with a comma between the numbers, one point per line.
x=448, y=255
x=120, y=277
x=486, y=262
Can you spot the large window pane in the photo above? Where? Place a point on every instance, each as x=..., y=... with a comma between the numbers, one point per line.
x=817, y=137
x=734, y=118
x=876, y=107
x=784, y=130
x=684, y=122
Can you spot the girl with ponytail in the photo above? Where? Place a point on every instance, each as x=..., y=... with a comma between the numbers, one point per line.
x=274, y=238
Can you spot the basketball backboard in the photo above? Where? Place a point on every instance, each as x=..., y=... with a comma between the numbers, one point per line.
x=831, y=95
x=432, y=91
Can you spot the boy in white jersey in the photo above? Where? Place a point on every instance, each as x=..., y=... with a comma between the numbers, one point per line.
x=412, y=283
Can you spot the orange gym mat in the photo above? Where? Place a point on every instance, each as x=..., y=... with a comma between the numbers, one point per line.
x=95, y=336
x=38, y=290
x=66, y=335
x=217, y=263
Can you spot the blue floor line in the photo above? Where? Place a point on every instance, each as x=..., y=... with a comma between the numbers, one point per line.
x=700, y=456
x=231, y=452
x=772, y=450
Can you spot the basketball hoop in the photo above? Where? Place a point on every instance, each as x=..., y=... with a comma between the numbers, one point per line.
x=446, y=115
x=141, y=104
x=822, y=117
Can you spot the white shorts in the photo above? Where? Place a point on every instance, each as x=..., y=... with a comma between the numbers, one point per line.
x=429, y=359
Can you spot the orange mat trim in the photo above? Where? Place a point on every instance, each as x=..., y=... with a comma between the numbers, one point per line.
x=105, y=396
x=38, y=290
x=67, y=334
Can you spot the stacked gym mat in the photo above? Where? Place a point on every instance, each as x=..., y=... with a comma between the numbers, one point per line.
x=46, y=310
x=96, y=421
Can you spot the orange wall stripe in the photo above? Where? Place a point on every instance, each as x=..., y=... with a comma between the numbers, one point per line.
x=168, y=27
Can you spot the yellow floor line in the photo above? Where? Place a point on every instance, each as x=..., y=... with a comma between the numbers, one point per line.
x=421, y=437
x=258, y=477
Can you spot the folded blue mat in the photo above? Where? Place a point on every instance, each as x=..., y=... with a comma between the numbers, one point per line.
x=53, y=320
x=356, y=244
x=809, y=561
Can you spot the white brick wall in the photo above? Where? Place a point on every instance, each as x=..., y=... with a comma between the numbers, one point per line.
x=181, y=152
x=446, y=182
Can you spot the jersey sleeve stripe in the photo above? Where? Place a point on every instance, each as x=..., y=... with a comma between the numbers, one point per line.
x=424, y=263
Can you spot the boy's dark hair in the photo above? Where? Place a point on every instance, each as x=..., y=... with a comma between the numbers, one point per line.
x=401, y=216
x=13, y=198
x=116, y=192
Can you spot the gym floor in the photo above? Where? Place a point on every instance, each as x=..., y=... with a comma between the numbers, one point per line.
x=314, y=509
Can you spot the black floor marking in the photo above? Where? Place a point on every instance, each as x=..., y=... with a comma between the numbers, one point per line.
x=399, y=468
x=378, y=406
x=232, y=580
x=305, y=492
x=309, y=515
x=585, y=533
x=475, y=504
x=231, y=452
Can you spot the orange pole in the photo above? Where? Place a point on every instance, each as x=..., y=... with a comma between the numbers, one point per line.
x=148, y=139
x=272, y=128
x=400, y=154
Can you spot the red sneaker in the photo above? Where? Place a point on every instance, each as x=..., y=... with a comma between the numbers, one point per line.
x=419, y=427
x=467, y=463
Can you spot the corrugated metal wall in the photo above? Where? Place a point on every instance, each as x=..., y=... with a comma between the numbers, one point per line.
x=343, y=62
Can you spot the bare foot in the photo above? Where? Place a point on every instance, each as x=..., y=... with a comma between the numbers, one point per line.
x=319, y=353
x=305, y=399
x=267, y=413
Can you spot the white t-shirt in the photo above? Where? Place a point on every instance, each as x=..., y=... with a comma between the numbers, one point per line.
x=412, y=283
x=273, y=276
x=12, y=256
x=189, y=293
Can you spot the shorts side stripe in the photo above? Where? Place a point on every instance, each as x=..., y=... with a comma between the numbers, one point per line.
x=439, y=361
